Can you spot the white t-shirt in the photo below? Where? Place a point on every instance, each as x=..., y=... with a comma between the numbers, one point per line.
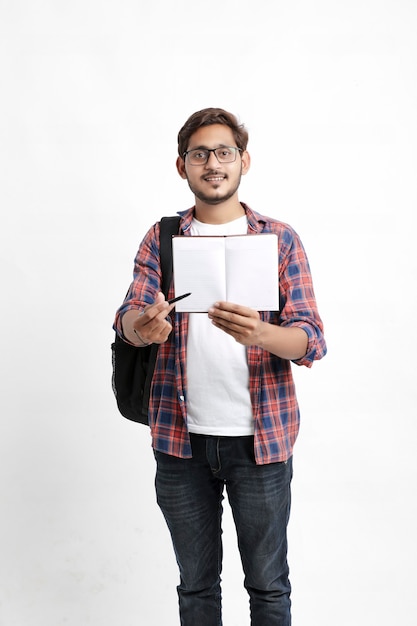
x=218, y=400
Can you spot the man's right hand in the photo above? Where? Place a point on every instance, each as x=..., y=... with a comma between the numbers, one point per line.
x=151, y=325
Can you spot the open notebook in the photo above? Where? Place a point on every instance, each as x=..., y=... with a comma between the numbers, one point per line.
x=240, y=268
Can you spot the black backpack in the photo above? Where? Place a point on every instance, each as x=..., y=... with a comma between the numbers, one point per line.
x=133, y=367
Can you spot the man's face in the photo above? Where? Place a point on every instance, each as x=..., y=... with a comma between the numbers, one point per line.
x=213, y=182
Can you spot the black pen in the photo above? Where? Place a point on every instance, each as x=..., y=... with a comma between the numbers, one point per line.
x=184, y=295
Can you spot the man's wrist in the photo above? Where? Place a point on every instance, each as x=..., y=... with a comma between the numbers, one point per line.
x=142, y=341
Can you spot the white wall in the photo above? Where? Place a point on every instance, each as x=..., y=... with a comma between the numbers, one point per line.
x=93, y=95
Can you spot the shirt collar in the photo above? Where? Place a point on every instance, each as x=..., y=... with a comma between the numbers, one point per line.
x=256, y=221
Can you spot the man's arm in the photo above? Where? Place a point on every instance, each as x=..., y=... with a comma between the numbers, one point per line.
x=246, y=327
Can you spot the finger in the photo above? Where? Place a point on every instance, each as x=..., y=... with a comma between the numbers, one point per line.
x=155, y=332
x=243, y=317
x=235, y=322
x=162, y=334
x=149, y=326
x=232, y=307
x=161, y=299
x=237, y=335
x=232, y=329
x=156, y=309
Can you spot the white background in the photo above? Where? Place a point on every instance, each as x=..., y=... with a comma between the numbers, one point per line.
x=93, y=95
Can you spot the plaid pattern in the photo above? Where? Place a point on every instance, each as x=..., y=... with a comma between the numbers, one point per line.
x=272, y=391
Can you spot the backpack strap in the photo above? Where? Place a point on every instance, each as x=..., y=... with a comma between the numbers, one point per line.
x=168, y=226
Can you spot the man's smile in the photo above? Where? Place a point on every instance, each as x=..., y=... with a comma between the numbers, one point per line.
x=214, y=178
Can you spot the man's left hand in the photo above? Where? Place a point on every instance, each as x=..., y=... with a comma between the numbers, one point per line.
x=241, y=322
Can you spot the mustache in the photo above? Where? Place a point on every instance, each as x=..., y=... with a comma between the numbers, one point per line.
x=213, y=173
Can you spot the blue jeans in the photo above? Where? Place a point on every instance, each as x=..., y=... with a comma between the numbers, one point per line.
x=190, y=493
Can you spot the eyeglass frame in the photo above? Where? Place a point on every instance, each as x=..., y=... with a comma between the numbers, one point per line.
x=208, y=150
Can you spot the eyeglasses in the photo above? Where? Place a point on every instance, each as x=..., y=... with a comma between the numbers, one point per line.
x=200, y=156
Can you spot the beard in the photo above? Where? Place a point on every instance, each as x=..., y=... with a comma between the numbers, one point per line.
x=214, y=199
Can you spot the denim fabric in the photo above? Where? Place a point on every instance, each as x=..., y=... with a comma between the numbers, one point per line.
x=190, y=493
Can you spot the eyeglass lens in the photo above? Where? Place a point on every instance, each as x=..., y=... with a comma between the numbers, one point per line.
x=225, y=154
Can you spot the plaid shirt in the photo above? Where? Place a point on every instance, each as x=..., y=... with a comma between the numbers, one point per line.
x=271, y=385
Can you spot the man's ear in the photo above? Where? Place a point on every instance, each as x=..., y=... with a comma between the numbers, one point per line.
x=181, y=167
x=245, y=162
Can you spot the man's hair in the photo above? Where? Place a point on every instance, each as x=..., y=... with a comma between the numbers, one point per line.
x=207, y=117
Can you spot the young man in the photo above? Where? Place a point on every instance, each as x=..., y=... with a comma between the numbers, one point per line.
x=223, y=410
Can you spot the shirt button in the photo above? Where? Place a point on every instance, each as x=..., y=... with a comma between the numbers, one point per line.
x=182, y=398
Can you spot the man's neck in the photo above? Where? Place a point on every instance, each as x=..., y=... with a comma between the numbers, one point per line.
x=218, y=213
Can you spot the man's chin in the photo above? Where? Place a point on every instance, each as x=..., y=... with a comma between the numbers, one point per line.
x=214, y=199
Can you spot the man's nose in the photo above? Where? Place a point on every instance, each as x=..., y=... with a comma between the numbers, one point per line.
x=212, y=161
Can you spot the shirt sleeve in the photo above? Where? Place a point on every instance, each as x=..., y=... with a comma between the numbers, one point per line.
x=297, y=299
x=146, y=278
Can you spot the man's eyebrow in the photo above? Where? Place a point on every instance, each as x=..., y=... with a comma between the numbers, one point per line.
x=221, y=145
